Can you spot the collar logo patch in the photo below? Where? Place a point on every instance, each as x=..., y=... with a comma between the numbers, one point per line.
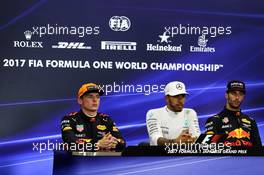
x=225, y=120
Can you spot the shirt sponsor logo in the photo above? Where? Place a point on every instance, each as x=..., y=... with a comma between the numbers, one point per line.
x=79, y=128
x=226, y=126
x=225, y=120
x=65, y=121
x=80, y=135
x=246, y=121
x=67, y=128
x=239, y=133
x=179, y=87
x=101, y=127
x=115, y=129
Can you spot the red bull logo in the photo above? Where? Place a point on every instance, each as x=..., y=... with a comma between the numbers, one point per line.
x=238, y=134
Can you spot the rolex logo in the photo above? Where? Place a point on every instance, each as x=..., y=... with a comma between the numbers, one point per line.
x=28, y=34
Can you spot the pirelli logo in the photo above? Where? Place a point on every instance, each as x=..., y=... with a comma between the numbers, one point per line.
x=118, y=45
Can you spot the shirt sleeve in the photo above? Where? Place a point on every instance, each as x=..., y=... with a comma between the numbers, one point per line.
x=117, y=134
x=255, y=138
x=194, y=128
x=153, y=126
x=67, y=130
x=212, y=125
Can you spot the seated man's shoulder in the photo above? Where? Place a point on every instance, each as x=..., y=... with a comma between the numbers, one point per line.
x=247, y=119
x=189, y=111
x=152, y=112
x=70, y=115
x=68, y=121
x=161, y=109
x=104, y=117
x=214, y=118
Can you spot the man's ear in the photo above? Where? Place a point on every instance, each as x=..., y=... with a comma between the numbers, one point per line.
x=226, y=95
x=79, y=100
x=166, y=98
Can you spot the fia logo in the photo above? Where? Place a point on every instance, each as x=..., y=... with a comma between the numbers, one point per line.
x=119, y=23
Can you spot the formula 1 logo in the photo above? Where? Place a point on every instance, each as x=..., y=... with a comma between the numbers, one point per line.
x=71, y=45
x=119, y=23
x=208, y=139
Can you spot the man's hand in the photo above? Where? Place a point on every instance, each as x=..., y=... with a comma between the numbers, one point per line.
x=107, y=142
x=185, y=137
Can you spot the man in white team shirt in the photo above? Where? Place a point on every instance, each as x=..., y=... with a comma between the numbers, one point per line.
x=173, y=123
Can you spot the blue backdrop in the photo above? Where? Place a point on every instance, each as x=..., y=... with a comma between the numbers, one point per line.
x=34, y=97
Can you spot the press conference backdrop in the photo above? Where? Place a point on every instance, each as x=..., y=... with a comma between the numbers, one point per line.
x=132, y=49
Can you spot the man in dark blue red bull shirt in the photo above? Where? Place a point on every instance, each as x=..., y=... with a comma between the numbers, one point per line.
x=88, y=126
x=242, y=130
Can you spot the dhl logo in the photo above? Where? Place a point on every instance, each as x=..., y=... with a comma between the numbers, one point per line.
x=239, y=133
